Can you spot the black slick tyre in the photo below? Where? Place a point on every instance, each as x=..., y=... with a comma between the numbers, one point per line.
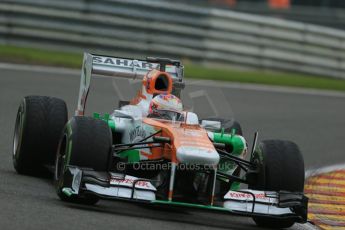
x=39, y=123
x=86, y=143
x=281, y=167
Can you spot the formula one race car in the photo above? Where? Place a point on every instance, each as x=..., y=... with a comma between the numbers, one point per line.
x=151, y=150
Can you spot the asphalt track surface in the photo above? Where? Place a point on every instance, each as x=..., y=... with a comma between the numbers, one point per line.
x=315, y=121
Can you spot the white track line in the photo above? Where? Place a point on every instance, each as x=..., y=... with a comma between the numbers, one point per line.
x=327, y=169
x=206, y=83
x=306, y=226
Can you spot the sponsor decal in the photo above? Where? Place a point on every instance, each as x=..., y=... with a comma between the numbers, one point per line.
x=129, y=182
x=240, y=195
x=123, y=62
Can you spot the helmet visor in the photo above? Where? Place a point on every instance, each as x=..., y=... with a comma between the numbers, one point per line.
x=166, y=115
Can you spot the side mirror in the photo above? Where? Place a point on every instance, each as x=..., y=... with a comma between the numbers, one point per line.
x=192, y=118
x=123, y=114
x=211, y=125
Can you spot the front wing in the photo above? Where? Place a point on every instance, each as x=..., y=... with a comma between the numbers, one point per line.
x=114, y=186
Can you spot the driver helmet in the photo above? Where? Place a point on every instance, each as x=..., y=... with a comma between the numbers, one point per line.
x=165, y=105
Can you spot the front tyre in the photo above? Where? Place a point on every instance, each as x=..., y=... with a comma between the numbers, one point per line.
x=281, y=167
x=39, y=123
x=86, y=143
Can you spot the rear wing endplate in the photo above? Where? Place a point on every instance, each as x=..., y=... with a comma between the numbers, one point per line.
x=118, y=67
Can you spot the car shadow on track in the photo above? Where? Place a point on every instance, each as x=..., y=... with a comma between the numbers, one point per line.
x=170, y=214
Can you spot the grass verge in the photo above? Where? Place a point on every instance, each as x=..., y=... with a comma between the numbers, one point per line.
x=38, y=56
x=72, y=60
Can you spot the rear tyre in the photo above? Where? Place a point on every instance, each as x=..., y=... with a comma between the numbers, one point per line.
x=39, y=123
x=86, y=142
x=281, y=167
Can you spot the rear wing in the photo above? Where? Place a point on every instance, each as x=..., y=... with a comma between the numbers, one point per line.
x=123, y=68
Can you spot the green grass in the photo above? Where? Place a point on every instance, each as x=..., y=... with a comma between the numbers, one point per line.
x=73, y=60
x=38, y=56
x=267, y=78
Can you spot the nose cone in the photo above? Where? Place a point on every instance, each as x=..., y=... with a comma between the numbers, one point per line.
x=197, y=155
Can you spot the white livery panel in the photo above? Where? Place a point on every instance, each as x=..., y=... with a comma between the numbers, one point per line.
x=264, y=202
x=122, y=187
